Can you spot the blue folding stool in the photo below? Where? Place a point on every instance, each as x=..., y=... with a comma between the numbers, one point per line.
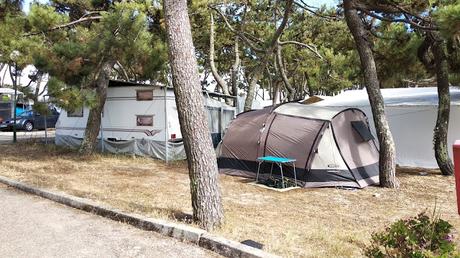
x=279, y=161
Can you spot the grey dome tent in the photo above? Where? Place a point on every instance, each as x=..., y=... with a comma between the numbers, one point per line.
x=331, y=148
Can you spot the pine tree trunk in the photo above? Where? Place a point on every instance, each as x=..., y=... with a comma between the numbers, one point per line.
x=89, y=143
x=442, y=122
x=201, y=158
x=387, y=164
x=257, y=74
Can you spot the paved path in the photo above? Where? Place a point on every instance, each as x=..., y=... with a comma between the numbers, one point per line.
x=34, y=227
x=7, y=137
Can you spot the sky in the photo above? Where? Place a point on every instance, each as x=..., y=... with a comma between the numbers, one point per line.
x=318, y=3
x=329, y=3
x=27, y=4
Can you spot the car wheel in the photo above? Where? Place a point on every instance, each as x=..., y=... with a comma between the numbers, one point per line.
x=28, y=126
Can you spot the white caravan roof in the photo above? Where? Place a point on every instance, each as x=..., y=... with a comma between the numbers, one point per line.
x=8, y=91
x=393, y=97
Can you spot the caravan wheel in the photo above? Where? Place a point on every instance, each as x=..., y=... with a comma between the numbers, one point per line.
x=28, y=126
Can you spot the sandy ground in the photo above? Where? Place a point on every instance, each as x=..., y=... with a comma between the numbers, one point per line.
x=324, y=222
x=35, y=227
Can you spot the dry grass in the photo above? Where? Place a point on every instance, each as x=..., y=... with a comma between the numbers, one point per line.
x=323, y=222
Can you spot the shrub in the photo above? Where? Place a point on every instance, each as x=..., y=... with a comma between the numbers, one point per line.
x=416, y=237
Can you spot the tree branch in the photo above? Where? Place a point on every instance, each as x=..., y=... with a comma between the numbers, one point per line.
x=123, y=70
x=309, y=9
x=312, y=48
x=406, y=20
x=239, y=33
x=280, y=28
x=62, y=26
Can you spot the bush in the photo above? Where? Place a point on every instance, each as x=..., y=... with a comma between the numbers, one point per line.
x=417, y=237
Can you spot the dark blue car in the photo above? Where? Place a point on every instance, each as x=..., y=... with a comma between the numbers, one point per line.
x=30, y=120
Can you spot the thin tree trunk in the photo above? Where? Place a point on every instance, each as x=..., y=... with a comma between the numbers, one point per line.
x=89, y=143
x=387, y=164
x=311, y=92
x=258, y=71
x=282, y=71
x=2, y=65
x=37, y=88
x=4, y=75
x=276, y=93
x=220, y=81
x=201, y=158
x=442, y=122
x=235, y=68
x=256, y=75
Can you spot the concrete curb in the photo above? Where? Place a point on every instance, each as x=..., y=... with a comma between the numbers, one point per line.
x=202, y=238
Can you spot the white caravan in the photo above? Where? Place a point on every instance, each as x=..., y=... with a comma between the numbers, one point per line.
x=141, y=119
x=411, y=114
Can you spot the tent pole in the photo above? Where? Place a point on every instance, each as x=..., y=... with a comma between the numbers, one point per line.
x=166, y=125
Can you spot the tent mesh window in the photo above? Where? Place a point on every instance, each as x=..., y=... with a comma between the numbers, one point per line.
x=144, y=95
x=144, y=120
x=78, y=112
x=362, y=130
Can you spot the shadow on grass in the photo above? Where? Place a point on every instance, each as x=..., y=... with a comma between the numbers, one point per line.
x=245, y=180
x=170, y=213
x=181, y=216
x=38, y=151
x=410, y=172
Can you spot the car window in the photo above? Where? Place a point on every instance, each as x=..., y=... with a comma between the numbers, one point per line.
x=26, y=113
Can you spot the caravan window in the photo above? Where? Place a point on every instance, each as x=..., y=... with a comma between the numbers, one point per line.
x=362, y=129
x=144, y=120
x=143, y=95
x=78, y=112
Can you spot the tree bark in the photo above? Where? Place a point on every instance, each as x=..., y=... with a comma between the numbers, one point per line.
x=89, y=143
x=201, y=158
x=387, y=164
x=442, y=121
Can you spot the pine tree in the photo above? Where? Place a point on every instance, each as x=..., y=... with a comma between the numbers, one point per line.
x=201, y=158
